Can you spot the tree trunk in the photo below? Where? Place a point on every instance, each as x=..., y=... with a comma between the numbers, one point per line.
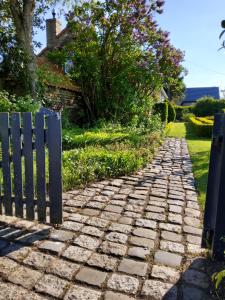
x=22, y=14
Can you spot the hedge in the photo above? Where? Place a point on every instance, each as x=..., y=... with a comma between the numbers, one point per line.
x=208, y=106
x=161, y=108
x=181, y=111
x=171, y=112
x=200, y=126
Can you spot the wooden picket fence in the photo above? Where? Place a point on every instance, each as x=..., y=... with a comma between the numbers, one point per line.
x=31, y=166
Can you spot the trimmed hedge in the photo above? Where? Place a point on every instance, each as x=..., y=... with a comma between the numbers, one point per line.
x=202, y=127
x=181, y=111
x=208, y=106
x=171, y=112
x=161, y=108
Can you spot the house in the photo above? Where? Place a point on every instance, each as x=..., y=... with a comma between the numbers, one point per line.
x=193, y=94
x=59, y=87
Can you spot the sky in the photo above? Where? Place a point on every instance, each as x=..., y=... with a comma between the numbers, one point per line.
x=195, y=27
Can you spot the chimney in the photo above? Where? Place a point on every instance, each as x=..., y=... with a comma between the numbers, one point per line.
x=53, y=28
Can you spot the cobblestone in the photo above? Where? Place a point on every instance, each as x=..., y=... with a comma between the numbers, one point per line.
x=133, y=237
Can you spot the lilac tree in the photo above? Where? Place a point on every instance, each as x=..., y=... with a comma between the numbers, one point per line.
x=121, y=58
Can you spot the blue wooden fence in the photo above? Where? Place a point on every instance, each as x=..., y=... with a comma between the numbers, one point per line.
x=31, y=166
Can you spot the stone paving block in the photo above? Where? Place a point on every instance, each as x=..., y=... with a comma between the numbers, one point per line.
x=61, y=235
x=165, y=273
x=52, y=285
x=146, y=223
x=146, y=233
x=38, y=260
x=192, y=230
x=175, y=209
x=118, y=202
x=91, y=276
x=52, y=246
x=77, y=254
x=139, y=252
x=25, y=277
x=123, y=283
x=194, y=213
x=175, y=218
x=142, y=242
x=103, y=261
x=116, y=296
x=93, y=231
x=116, y=237
x=195, y=249
x=86, y=241
x=7, y=266
x=156, y=209
x=123, y=228
x=16, y=252
x=197, y=278
x=114, y=208
x=73, y=226
x=170, y=227
x=110, y=216
x=155, y=216
x=63, y=268
x=133, y=267
x=94, y=221
x=168, y=259
x=172, y=246
x=76, y=292
x=157, y=290
x=95, y=204
x=101, y=198
x=171, y=236
x=125, y=220
x=10, y=291
x=91, y=211
x=194, y=222
x=193, y=239
x=113, y=248
x=132, y=214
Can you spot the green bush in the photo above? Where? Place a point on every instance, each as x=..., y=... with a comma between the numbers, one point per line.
x=10, y=103
x=208, y=106
x=171, y=112
x=200, y=126
x=161, y=108
x=181, y=111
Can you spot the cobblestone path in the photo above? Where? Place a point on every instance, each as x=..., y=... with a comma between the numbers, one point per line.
x=135, y=237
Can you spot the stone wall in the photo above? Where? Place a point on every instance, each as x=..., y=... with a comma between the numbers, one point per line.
x=61, y=98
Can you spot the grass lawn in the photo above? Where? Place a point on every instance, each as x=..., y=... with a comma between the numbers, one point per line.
x=199, y=150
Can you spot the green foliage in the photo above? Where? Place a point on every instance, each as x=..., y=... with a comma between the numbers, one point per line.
x=201, y=126
x=208, y=106
x=181, y=111
x=113, y=159
x=11, y=103
x=161, y=108
x=119, y=58
x=218, y=277
x=171, y=112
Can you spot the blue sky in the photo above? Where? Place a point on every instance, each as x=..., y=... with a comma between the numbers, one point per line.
x=195, y=27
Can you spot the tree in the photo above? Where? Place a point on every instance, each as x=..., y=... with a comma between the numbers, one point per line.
x=19, y=18
x=121, y=58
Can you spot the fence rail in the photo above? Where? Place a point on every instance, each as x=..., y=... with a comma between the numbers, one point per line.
x=214, y=219
x=31, y=166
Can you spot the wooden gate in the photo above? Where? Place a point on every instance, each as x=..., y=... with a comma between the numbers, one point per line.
x=31, y=166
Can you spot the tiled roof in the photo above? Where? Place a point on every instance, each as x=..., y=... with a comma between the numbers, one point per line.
x=193, y=94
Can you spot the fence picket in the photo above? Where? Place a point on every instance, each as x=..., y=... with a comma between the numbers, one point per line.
x=40, y=165
x=17, y=164
x=54, y=141
x=6, y=170
x=29, y=168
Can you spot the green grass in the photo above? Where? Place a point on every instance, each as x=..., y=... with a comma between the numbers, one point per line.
x=199, y=150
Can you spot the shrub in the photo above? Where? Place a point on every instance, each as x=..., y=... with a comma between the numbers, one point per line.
x=171, y=112
x=181, y=111
x=200, y=127
x=5, y=104
x=208, y=106
x=161, y=108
